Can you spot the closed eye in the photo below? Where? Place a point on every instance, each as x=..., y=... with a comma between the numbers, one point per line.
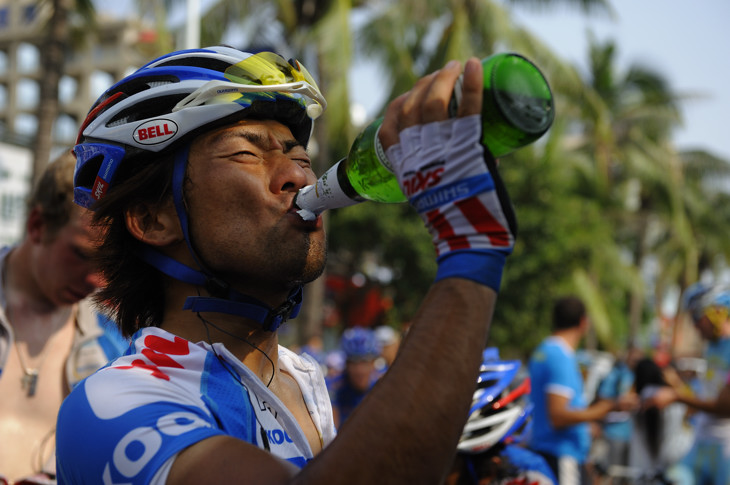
x=304, y=162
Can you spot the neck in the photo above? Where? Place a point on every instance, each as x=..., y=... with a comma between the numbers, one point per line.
x=571, y=336
x=21, y=286
x=243, y=337
x=255, y=348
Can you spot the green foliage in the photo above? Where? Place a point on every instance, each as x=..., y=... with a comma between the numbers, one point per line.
x=395, y=237
x=560, y=232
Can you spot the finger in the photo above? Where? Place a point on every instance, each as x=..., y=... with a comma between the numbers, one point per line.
x=436, y=101
x=473, y=87
x=388, y=133
x=412, y=108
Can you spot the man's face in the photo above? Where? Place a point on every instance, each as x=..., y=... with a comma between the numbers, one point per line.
x=359, y=373
x=711, y=321
x=242, y=180
x=62, y=266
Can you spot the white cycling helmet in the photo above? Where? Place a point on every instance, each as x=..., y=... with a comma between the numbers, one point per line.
x=499, y=407
x=183, y=93
x=715, y=306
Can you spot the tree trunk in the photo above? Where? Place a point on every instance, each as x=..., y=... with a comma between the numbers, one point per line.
x=310, y=321
x=52, y=59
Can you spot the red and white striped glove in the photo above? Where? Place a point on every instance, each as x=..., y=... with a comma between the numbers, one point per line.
x=452, y=181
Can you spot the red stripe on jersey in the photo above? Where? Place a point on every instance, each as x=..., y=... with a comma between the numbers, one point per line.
x=445, y=231
x=483, y=221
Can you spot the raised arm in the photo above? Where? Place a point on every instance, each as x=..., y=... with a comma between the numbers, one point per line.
x=407, y=428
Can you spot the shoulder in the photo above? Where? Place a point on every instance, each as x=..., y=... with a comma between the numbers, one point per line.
x=94, y=324
x=303, y=361
x=157, y=364
x=148, y=402
x=549, y=351
x=96, y=342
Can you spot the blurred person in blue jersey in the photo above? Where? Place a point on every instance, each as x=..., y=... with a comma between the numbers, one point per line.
x=617, y=426
x=361, y=349
x=709, y=458
x=560, y=430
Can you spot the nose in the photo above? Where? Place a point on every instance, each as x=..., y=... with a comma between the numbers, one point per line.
x=290, y=175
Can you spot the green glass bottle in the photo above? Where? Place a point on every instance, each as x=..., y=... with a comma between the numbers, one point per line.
x=517, y=109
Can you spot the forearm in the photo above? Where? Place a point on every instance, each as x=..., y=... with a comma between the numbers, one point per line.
x=719, y=406
x=569, y=417
x=722, y=405
x=425, y=394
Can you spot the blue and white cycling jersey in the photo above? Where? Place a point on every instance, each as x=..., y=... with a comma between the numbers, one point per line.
x=124, y=423
x=553, y=369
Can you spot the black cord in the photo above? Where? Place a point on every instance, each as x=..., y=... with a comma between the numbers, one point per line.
x=243, y=339
x=237, y=378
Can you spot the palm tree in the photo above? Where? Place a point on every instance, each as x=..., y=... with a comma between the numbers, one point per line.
x=627, y=122
x=703, y=201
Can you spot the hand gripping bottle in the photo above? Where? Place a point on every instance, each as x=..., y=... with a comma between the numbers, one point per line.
x=517, y=109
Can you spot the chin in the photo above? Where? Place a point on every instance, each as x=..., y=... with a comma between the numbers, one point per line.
x=315, y=264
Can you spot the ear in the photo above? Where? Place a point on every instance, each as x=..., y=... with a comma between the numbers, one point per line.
x=35, y=226
x=156, y=225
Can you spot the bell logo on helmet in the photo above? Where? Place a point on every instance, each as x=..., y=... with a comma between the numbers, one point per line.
x=155, y=131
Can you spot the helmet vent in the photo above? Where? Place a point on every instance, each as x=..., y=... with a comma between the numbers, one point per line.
x=161, y=107
x=86, y=174
x=202, y=62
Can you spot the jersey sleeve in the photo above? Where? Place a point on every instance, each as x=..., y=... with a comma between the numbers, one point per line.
x=132, y=424
x=559, y=373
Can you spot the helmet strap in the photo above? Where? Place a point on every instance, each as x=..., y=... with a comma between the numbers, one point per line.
x=232, y=303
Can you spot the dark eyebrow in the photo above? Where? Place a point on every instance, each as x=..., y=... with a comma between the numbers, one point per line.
x=290, y=145
x=258, y=139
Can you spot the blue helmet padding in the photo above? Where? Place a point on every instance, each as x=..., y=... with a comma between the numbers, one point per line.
x=111, y=160
x=171, y=267
x=269, y=318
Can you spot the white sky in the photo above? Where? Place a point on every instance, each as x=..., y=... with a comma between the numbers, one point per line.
x=686, y=41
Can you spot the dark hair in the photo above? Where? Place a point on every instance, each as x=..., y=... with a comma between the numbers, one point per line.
x=568, y=312
x=134, y=291
x=648, y=373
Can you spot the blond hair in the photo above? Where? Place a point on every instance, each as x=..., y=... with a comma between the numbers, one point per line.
x=53, y=193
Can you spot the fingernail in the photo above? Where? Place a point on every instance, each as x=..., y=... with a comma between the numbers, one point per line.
x=452, y=64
